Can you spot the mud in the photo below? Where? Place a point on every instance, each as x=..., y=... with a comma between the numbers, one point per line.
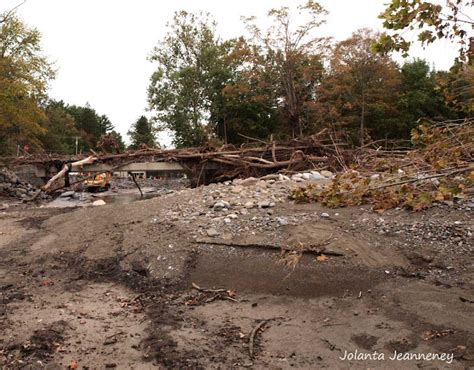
x=109, y=287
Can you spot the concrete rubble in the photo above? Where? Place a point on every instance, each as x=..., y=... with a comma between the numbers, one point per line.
x=11, y=186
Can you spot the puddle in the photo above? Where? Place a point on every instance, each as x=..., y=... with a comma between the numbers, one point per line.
x=125, y=198
x=86, y=199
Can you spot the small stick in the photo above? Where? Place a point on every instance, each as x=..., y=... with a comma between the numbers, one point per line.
x=252, y=336
x=136, y=183
x=197, y=287
x=461, y=170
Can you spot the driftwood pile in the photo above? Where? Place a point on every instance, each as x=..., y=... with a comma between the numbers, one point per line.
x=439, y=167
x=209, y=164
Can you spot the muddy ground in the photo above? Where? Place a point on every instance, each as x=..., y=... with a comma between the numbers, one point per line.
x=112, y=287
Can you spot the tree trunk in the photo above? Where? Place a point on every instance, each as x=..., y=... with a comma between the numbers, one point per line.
x=362, y=120
x=73, y=166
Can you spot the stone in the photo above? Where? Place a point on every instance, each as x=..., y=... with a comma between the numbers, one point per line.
x=265, y=204
x=315, y=175
x=375, y=176
x=212, y=232
x=237, y=189
x=221, y=204
x=282, y=221
x=98, y=202
x=262, y=184
x=283, y=177
x=248, y=181
x=227, y=236
x=68, y=194
x=327, y=174
x=306, y=176
x=249, y=205
x=325, y=215
x=297, y=178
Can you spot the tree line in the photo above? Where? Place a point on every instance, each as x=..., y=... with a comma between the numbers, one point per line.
x=287, y=81
x=29, y=119
x=282, y=81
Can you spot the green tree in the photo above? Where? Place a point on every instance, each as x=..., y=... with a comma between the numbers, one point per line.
x=24, y=77
x=119, y=139
x=60, y=130
x=249, y=99
x=420, y=96
x=90, y=124
x=141, y=133
x=292, y=55
x=189, y=78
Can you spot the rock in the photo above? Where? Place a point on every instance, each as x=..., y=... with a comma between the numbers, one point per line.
x=282, y=221
x=327, y=174
x=249, y=205
x=227, y=236
x=325, y=215
x=306, y=176
x=4, y=206
x=297, y=178
x=244, y=212
x=248, y=181
x=375, y=176
x=265, y=204
x=221, y=204
x=315, y=175
x=21, y=191
x=262, y=184
x=283, y=177
x=68, y=194
x=212, y=232
x=98, y=202
x=237, y=189
x=227, y=220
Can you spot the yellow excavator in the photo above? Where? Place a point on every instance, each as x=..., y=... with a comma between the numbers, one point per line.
x=99, y=182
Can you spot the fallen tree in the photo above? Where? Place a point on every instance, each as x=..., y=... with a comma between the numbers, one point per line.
x=439, y=168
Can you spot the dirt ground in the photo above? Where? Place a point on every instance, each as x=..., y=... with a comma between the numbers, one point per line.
x=112, y=287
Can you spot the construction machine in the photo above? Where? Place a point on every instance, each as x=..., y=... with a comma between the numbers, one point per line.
x=99, y=182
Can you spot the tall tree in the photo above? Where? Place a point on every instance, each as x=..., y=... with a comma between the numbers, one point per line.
x=90, y=124
x=60, y=130
x=361, y=88
x=24, y=77
x=188, y=80
x=250, y=102
x=292, y=54
x=419, y=95
x=141, y=133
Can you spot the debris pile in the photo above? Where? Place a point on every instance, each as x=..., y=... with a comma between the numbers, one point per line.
x=439, y=169
x=225, y=210
x=226, y=162
x=12, y=186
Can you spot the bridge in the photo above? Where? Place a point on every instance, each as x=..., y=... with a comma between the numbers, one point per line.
x=202, y=165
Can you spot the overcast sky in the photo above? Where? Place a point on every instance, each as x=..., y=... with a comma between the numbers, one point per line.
x=100, y=47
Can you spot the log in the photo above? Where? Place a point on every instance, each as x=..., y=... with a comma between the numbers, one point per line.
x=67, y=167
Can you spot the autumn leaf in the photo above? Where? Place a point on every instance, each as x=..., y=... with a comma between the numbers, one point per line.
x=322, y=258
